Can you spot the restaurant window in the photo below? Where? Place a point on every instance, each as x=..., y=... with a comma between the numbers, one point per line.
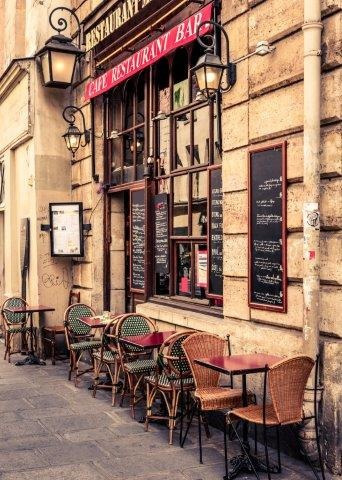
x=187, y=143
x=128, y=109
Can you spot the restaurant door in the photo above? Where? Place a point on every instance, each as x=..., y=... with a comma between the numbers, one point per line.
x=127, y=250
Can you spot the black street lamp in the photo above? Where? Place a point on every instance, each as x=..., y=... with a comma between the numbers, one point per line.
x=209, y=69
x=73, y=135
x=59, y=55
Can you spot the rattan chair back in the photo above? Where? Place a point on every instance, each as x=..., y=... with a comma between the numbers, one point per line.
x=203, y=345
x=13, y=318
x=171, y=353
x=73, y=325
x=287, y=380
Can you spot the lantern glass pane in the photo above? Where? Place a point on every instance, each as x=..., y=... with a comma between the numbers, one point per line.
x=62, y=66
x=46, y=67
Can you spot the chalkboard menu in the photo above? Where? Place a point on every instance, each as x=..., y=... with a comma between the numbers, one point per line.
x=138, y=239
x=215, y=272
x=161, y=235
x=267, y=229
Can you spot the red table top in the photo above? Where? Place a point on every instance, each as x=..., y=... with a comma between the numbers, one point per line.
x=30, y=309
x=239, y=364
x=150, y=340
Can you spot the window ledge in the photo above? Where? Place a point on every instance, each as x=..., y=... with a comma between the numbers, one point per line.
x=177, y=316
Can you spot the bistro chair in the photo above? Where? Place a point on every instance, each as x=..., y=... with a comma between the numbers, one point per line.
x=108, y=357
x=286, y=381
x=209, y=396
x=79, y=337
x=172, y=378
x=135, y=362
x=15, y=324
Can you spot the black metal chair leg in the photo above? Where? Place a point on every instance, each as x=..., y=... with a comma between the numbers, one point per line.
x=266, y=453
x=225, y=448
x=278, y=450
x=188, y=426
x=200, y=433
x=243, y=448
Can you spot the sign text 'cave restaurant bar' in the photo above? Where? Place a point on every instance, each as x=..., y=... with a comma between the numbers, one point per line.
x=178, y=36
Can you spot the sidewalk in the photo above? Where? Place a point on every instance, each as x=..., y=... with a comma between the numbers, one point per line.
x=50, y=429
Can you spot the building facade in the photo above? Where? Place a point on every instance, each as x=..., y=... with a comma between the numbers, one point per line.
x=223, y=215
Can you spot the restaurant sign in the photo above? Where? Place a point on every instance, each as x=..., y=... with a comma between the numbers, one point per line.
x=112, y=22
x=178, y=36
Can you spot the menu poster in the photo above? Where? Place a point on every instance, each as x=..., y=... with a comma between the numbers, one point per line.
x=161, y=234
x=267, y=229
x=215, y=236
x=138, y=240
x=66, y=221
x=202, y=268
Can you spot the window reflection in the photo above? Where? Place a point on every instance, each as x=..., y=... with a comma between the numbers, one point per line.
x=183, y=142
x=201, y=270
x=180, y=205
x=184, y=271
x=199, y=203
x=201, y=135
x=116, y=161
x=164, y=147
x=129, y=98
x=180, y=79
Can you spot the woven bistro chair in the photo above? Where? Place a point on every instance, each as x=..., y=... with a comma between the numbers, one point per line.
x=209, y=395
x=286, y=381
x=172, y=378
x=108, y=357
x=15, y=324
x=79, y=337
x=136, y=363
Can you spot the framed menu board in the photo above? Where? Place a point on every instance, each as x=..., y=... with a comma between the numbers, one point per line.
x=267, y=228
x=161, y=234
x=138, y=240
x=215, y=234
x=66, y=222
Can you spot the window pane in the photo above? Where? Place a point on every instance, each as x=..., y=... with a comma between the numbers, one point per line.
x=116, y=109
x=140, y=146
x=164, y=147
x=201, y=271
x=163, y=88
x=129, y=96
x=140, y=101
x=116, y=161
x=180, y=80
x=164, y=185
x=180, y=205
x=199, y=204
x=183, y=150
x=183, y=273
x=201, y=135
x=128, y=157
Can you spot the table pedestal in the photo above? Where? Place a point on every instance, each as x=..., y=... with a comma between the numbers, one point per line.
x=241, y=464
x=31, y=359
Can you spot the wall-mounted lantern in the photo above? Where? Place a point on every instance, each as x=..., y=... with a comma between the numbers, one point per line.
x=59, y=55
x=209, y=69
x=73, y=135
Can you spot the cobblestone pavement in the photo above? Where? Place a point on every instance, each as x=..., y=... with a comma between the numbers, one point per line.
x=50, y=429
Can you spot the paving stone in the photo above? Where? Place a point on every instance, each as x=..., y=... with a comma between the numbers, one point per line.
x=101, y=433
x=7, y=417
x=17, y=429
x=27, y=442
x=47, y=401
x=13, y=405
x=65, y=453
x=75, y=422
x=20, y=460
x=76, y=471
x=16, y=393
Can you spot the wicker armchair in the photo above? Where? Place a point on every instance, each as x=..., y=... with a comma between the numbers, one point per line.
x=286, y=381
x=135, y=362
x=14, y=324
x=171, y=379
x=208, y=395
x=108, y=357
x=78, y=337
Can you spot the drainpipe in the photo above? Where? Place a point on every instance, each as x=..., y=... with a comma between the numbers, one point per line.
x=312, y=29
